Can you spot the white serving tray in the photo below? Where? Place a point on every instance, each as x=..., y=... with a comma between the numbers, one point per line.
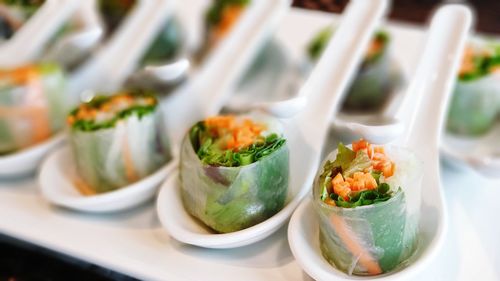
x=134, y=243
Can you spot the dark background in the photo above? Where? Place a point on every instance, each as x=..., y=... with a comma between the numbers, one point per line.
x=418, y=11
x=22, y=261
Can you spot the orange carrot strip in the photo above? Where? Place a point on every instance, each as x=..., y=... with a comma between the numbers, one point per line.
x=350, y=241
x=130, y=172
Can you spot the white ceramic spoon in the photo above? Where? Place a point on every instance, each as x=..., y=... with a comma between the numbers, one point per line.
x=27, y=43
x=279, y=109
x=76, y=45
x=379, y=127
x=305, y=133
x=27, y=160
x=114, y=63
x=59, y=168
x=376, y=129
x=424, y=116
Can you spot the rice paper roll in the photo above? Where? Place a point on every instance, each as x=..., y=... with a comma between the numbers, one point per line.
x=368, y=202
x=234, y=171
x=32, y=105
x=476, y=98
x=116, y=140
x=375, y=80
x=220, y=18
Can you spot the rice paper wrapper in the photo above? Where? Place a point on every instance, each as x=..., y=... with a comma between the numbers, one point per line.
x=112, y=158
x=229, y=199
x=33, y=111
x=372, y=85
x=474, y=106
x=374, y=239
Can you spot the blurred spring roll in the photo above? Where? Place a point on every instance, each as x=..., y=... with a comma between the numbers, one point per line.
x=476, y=98
x=116, y=140
x=167, y=42
x=375, y=80
x=32, y=105
x=13, y=14
x=367, y=199
x=220, y=18
x=234, y=171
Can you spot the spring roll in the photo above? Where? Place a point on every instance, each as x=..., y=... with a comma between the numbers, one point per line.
x=116, y=140
x=367, y=199
x=375, y=80
x=32, y=105
x=234, y=171
x=476, y=98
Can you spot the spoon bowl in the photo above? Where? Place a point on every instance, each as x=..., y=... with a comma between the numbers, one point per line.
x=27, y=160
x=59, y=179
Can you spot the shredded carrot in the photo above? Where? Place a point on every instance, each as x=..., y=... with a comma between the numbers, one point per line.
x=130, y=171
x=229, y=17
x=354, y=246
x=234, y=134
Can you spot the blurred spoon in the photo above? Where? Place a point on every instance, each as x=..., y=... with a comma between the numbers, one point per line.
x=376, y=129
x=280, y=109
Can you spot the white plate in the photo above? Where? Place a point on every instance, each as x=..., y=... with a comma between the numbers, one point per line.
x=57, y=183
x=147, y=252
x=27, y=160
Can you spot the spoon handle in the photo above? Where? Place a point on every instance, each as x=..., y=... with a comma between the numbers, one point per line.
x=27, y=43
x=430, y=90
x=118, y=58
x=327, y=83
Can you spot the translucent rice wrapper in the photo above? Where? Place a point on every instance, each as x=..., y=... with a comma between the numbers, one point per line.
x=374, y=239
x=32, y=108
x=111, y=158
x=475, y=105
x=372, y=85
x=229, y=199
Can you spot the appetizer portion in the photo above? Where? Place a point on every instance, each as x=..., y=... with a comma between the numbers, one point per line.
x=368, y=198
x=116, y=140
x=234, y=171
x=14, y=13
x=375, y=81
x=476, y=99
x=221, y=17
x=32, y=105
x=165, y=45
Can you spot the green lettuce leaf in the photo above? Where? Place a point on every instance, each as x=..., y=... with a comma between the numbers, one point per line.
x=358, y=164
x=208, y=151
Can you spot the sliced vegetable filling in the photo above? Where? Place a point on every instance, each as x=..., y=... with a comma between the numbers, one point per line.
x=222, y=16
x=105, y=111
x=231, y=142
x=479, y=61
x=358, y=176
x=376, y=49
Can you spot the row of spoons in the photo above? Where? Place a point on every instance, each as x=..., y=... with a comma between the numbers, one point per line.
x=320, y=95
